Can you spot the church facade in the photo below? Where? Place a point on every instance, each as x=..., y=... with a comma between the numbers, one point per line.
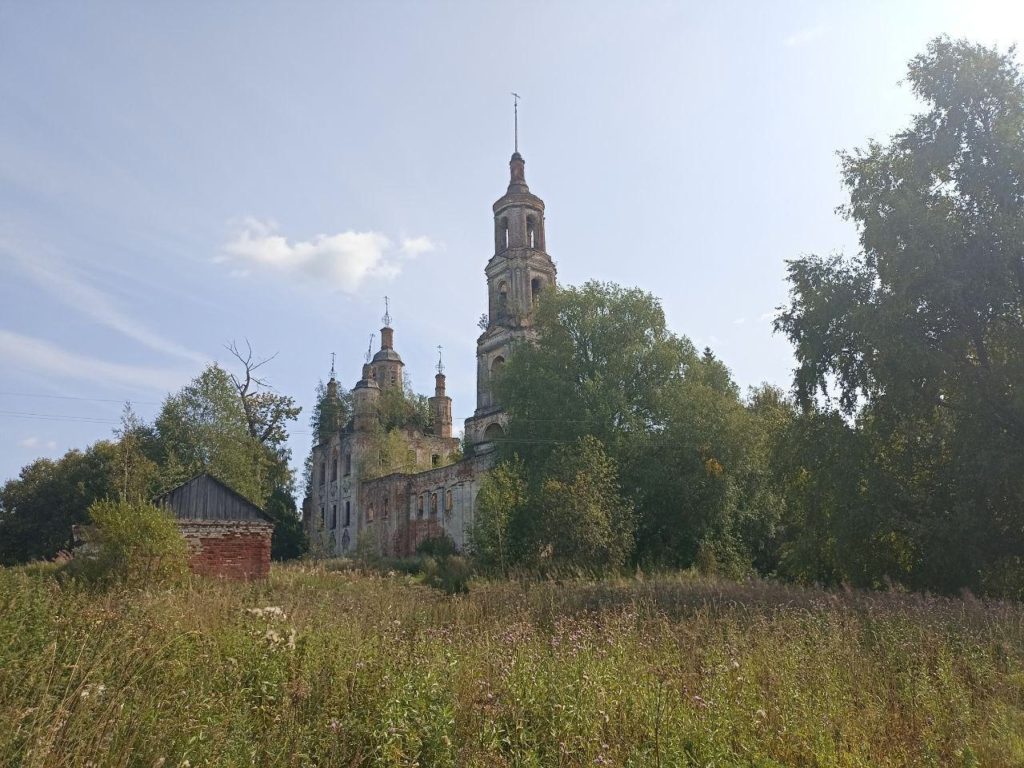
x=357, y=497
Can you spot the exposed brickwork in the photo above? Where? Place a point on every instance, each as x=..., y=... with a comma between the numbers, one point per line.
x=228, y=549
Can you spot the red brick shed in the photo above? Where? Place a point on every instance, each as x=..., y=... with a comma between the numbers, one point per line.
x=228, y=536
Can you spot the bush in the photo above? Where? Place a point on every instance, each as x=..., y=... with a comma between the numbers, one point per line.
x=136, y=545
x=437, y=546
x=449, y=574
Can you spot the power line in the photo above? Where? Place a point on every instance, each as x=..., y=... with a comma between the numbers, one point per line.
x=90, y=399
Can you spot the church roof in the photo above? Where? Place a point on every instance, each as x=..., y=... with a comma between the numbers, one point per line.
x=387, y=354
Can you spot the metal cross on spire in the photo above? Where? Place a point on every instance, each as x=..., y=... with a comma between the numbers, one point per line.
x=332, y=365
x=387, y=313
x=515, y=110
x=369, y=348
x=440, y=360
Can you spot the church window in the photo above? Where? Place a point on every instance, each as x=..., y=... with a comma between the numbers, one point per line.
x=536, y=285
x=448, y=501
x=433, y=505
x=502, y=298
x=531, y=232
x=500, y=234
x=334, y=516
x=435, y=460
x=496, y=365
x=386, y=507
x=334, y=467
x=348, y=513
x=348, y=463
x=494, y=432
x=369, y=514
x=323, y=472
x=323, y=516
x=419, y=506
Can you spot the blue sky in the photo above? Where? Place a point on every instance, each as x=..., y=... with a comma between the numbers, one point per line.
x=177, y=175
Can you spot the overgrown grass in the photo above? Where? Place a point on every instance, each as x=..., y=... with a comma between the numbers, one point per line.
x=372, y=670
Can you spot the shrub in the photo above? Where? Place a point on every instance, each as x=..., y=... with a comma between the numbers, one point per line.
x=437, y=546
x=449, y=574
x=136, y=545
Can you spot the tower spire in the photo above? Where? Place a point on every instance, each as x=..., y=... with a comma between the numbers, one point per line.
x=440, y=360
x=369, y=348
x=387, y=313
x=332, y=365
x=515, y=111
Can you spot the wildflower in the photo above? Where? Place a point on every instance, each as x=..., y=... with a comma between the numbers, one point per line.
x=760, y=714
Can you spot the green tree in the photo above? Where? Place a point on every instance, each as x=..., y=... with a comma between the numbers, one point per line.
x=605, y=365
x=578, y=516
x=502, y=497
x=203, y=428
x=38, y=508
x=919, y=338
x=137, y=545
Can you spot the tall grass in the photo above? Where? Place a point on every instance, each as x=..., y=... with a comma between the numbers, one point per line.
x=367, y=670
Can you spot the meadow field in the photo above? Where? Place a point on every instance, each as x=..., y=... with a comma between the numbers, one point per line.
x=328, y=666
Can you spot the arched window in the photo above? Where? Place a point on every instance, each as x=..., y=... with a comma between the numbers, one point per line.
x=531, y=232
x=536, y=286
x=387, y=510
x=448, y=501
x=502, y=298
x=433, y=505
x=494, y=432
x=348, y=513
x=334, y=516
x=419, y=506
x=496, y=365
x=323, y=472
x=334, y=467
x=348, y=463
x=369, y=514
x=435, y=460
x=500, y=234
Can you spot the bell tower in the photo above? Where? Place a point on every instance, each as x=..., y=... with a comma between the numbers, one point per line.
x=517, y=273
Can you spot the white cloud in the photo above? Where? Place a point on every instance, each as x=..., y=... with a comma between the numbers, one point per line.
x=739, y=321
x=42, y=357
x=71, y=288
x=414, y=246
x=35, y=443
x=805, y=36
x=343, y=261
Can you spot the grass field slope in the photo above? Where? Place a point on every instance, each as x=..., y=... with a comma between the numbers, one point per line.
x=337, y=668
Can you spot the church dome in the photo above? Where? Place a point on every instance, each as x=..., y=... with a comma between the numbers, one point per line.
x=387, y=354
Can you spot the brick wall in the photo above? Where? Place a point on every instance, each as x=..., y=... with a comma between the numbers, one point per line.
x=228, y=549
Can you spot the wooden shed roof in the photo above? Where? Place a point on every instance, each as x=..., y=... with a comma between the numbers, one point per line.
x=204, y=497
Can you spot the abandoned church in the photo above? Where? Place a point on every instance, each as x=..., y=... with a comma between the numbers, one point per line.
x=388, y=481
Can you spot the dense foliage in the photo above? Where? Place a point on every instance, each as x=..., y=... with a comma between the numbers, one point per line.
x=668, y=448
x=919, y=341
x=133, y=545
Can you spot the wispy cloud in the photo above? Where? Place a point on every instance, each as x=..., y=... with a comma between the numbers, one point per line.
x=35, y=443
x=72, y=288
x=343, y=261
x=43, y=357
x=769, y=316
x=805, y=36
